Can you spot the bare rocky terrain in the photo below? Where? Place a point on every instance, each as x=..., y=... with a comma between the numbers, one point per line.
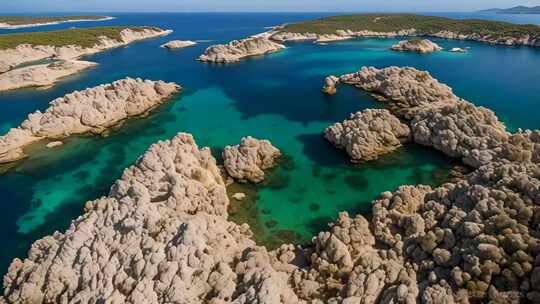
x=91, y=111
x=417, y=45
x=236, y=50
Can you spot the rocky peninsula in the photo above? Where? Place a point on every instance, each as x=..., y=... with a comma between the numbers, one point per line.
x=17, y=22
x=178, y=44
x=91, y=111
x=247, y=161
x=394, y=25
x=17, y=49
x=368, y=134
x=236, y=50
x=422, y=46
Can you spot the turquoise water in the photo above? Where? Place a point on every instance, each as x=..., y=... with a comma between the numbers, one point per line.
x=276, y=97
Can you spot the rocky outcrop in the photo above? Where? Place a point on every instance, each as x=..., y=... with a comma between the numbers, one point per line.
x=406, y=91
x=330, y=84
x=368, y=134
x=92, y=110
x=163, y=228
x=417, y=45
x=436, y=116
x=178, y=44
x=458, y=50
x=239, y=49
x=42, y=75
x=245, y=162
x=518, y=39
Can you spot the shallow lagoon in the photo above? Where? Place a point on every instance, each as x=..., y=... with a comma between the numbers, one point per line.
x=276, y=97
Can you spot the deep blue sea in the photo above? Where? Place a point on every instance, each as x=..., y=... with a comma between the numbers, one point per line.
x=275, y=97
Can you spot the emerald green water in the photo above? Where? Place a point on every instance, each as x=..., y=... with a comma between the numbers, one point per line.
x=276, y=97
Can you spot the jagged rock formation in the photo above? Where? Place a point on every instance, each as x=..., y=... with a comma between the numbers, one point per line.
x=42, y=75
x=46, y=75
x=92, y=110
x=437, y=117
x=236, y=50
x=245, y=162
x=417, y=45
x=178, y=44
x=330, y=84
x=406, y=91
x=10, y=26
x=368, y=134
x=163, y=229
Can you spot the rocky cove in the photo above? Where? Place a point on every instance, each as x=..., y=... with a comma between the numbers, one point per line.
x=472, y=239
x=334, y=280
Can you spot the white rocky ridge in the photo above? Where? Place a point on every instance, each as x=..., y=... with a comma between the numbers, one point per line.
x=47, y=75
x=417, y=45
x=236, y=50
x=178, y=44
x=93, y=110
x=247, y=161
x=368, y=134
x=8, y=26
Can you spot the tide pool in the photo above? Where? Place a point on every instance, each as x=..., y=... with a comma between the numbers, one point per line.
x=276, y=97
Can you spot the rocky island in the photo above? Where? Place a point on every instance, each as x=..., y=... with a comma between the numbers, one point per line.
x=17, y=22
x=65, y=46
x=245, y=162
x=417, y=45
x=394, y=25
x=236, y=50
x=178, y=44
x=91, y=111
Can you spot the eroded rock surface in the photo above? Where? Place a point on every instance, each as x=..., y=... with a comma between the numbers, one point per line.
x=247, y=161
x=417, y=45
x=436, y=116
x=93, y=110
x=236, y=50
x=178, y=44
x=368, y=134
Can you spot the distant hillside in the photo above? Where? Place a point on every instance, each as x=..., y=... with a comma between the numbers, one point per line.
x=514, y=10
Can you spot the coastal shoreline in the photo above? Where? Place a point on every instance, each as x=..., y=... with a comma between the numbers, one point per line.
x=7, y=26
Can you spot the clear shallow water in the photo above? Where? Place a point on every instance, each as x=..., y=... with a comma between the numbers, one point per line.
x=276, y=97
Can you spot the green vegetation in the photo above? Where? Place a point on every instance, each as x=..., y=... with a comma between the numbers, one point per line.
x=84, y=37
x=27, y=20
x=425, y=25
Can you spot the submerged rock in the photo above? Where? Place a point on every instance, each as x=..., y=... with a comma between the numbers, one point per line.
x=417, y=45
x=368, y=134
x=178, y=44
x=239, y=49
x=245, y=162
x=92, y=110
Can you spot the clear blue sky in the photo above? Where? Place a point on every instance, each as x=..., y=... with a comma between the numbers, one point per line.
x=255, y=5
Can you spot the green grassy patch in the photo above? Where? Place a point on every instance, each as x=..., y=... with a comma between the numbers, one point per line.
x=425, y=25
x=27, y=20
x=84, y=37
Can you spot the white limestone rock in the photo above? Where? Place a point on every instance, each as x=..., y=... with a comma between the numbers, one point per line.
x=330, y=84
x=368, y=134
x=178, y=44
x=458, y=50
x=236, y=50
x=93, y=110
x=247, y=161
x=417, y=45
x=42, y=75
